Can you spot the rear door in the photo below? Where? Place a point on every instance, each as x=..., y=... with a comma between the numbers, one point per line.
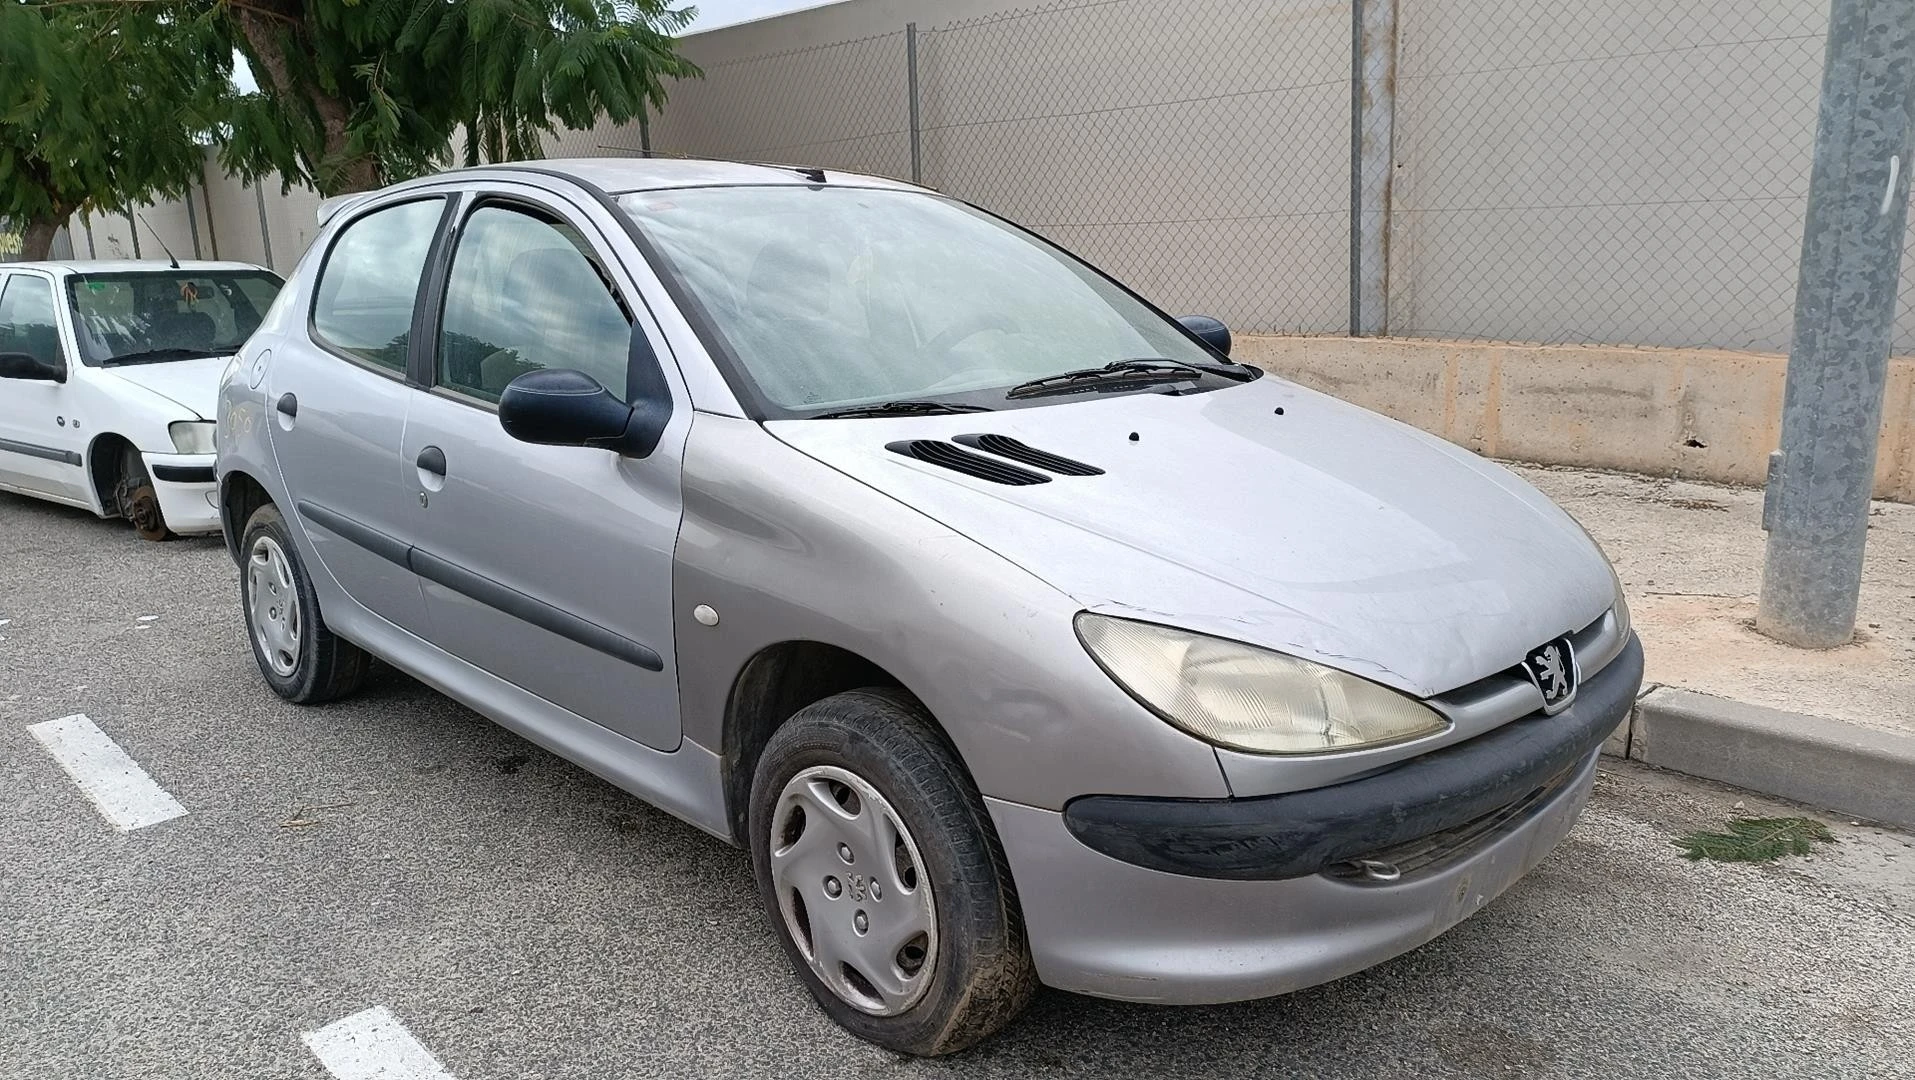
x=548, y=566
x=42, y=447
x=338, y=400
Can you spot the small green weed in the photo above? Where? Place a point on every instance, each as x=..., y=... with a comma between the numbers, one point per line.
x=1757, y=840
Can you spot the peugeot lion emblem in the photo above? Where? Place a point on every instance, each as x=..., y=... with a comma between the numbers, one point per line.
x=1552, y=667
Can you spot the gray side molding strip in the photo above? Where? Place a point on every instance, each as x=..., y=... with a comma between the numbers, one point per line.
x=65, y=457
x=483, y=589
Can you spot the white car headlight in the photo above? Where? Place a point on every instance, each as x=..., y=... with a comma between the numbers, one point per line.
x=192, y=436
x=1246, y=698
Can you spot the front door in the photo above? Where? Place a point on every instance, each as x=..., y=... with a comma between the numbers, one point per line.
x=550, y=567
x=337, y=399
x=42, y=447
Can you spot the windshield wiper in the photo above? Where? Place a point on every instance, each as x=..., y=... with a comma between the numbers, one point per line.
x=1141, y=371
x=154, y=356
x=901, y=408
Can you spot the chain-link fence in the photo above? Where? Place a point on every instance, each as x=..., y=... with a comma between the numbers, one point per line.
x=1613, y=172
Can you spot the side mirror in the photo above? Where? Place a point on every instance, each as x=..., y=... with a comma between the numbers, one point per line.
x=19, y=365
x=563, y=407
x=1211, y=331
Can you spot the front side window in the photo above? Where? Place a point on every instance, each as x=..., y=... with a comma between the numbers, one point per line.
x=525, y=293
x=26, y=319
x=370, y=282
x=830, y=297
x=150, y=316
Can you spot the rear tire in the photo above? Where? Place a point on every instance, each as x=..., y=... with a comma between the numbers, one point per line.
x=299, y=657
x=954, y=967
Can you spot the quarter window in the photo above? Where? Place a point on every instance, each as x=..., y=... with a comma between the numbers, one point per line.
x=26, y=319
x=371, y=280
x=526, y=293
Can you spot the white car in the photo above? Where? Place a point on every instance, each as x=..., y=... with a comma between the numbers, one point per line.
x=109, y=377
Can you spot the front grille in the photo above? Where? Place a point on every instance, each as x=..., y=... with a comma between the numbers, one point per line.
x=1407, y=859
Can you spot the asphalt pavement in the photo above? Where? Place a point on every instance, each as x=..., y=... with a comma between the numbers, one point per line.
x=521, y=918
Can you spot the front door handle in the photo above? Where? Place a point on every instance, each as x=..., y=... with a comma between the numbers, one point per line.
x=288, y=405
x=432, y=460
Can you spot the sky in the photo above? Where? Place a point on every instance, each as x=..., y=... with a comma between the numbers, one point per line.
x=716, y=13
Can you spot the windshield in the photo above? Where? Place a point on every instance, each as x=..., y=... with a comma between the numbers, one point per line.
x=828, y=297
x=159, y=315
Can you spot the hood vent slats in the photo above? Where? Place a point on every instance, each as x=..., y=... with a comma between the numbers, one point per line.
x=1006, y=447
x=957, y=459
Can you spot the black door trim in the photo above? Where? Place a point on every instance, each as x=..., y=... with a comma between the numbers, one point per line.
x=65, y=457
x=484, y=590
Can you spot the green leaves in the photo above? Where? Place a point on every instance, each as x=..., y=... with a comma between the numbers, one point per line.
x=102, y=106
x=375, y=91
x=1756, y=840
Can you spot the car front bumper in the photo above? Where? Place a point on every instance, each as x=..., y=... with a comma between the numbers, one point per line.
x=1215, y=931
x=189, y=497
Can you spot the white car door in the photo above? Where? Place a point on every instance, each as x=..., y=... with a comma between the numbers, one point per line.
x=42, y=451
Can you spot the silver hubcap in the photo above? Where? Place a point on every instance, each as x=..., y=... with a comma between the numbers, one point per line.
x=273, y=605
x=853, y=890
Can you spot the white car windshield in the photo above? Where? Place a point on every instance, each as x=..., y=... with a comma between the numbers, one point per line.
x=152, y=316
x=826, y=297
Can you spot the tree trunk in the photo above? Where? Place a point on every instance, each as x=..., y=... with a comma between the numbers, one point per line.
x=271, y=35
x=37, y=243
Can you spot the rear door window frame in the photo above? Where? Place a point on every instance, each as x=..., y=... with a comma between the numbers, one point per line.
x=435, y=251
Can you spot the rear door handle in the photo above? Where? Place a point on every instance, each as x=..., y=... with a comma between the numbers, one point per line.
x=288, y=405
x=433, y=460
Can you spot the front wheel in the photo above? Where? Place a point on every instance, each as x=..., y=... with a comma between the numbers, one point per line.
x=877, y=864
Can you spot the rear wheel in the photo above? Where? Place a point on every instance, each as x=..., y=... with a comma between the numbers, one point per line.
x=878, y=866
x=300, y=658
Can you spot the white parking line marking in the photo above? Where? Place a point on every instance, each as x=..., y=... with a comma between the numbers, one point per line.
x=126, y=796
x=373, y=1045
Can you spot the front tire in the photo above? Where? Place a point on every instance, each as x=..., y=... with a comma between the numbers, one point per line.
x=878, y=867
x=301, y=659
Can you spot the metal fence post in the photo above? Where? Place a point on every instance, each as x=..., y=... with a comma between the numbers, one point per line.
x=1816, y=505
x=1372, y=129
x=192, y=220
x=265, y=231
x=911, y=91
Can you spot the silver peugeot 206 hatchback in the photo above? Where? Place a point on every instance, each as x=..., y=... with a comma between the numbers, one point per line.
x=1020, y=635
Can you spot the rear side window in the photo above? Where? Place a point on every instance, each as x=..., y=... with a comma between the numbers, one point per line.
x=526, y=293
x=371, y=280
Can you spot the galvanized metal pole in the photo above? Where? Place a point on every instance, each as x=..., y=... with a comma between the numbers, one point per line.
x=1816, y=506
x=265, y=231
x=192, y=220
x=1372, y=161
x=911, y=93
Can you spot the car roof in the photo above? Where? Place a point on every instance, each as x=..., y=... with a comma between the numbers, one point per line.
x=619, y=175
x=126, y=266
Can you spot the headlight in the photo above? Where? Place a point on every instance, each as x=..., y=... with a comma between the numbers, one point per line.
x=192, y=436
x=1615, y=580
x=1245, y=698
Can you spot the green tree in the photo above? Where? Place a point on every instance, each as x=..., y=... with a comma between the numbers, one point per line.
x=354, y=94
x=101, y=108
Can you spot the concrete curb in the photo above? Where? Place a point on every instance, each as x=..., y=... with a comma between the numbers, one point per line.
x=1856, y=770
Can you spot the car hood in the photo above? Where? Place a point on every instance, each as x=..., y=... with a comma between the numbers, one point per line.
x=1266, y=513
x=193, y=384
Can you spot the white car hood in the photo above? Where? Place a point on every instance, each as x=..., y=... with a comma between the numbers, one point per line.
x=1326, y=532
x=192, y=383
